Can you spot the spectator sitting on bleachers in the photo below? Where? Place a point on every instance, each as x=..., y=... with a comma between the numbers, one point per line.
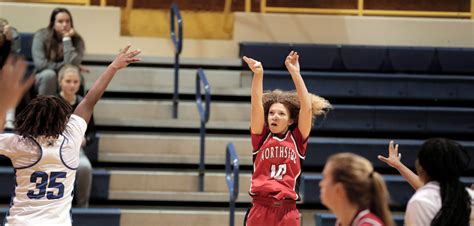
x=54, y=46
x=354, y=192
x=69, y=81
x=440, y=198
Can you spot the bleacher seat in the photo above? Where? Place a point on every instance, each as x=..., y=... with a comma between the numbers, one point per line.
x=456, y=60
x=271, y=55
x=377, y=85
x=351, y=58
x=363, y=58
x=411, y=59
x=316, y=57
x=87, y=216
x=329, y=219
x=400, y=191
x=26, y=43
x=422, y=120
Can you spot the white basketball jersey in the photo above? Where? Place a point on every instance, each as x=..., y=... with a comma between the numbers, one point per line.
x=44, y=187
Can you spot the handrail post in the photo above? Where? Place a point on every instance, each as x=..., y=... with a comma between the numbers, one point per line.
x=263, y=6
x=232, y=179
x=204, y=113
x=178, y=45
x=248, y=6
x=360, y=7
x=472, y=9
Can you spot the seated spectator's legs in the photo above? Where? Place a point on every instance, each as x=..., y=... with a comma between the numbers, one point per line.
x=83, y=181
x=46, y=82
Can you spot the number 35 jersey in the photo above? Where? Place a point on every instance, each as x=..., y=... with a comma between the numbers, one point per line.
x=277, y=162
x=44, y=176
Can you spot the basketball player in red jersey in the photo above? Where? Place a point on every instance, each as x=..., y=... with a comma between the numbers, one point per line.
x=280, y=126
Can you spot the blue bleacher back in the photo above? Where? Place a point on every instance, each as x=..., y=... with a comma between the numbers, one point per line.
x=351, y=58
x=400, y=191
x=26, y=43
x=316, y=57
x=456, y=60
x=410, y=59
x=363, y=58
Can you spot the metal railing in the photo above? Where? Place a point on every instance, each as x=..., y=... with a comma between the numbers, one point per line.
x=178, y=46
x=232, y=179
x=204, y=113
x=361, y=11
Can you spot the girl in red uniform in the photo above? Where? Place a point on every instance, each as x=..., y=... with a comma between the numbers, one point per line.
x=354, y=192
x=280, y=127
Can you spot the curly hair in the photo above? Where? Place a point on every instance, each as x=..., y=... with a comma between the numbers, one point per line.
x=44, y=116
x=290, y=100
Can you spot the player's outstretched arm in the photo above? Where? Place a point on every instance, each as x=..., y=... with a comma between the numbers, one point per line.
x=257, y=120
x=123, y=59
x=305, y=115
x=12, y=85
x=393, y=160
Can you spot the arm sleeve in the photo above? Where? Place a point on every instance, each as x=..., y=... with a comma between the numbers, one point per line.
x=301, y=143
x=73, y=54
x=5, y=145
x=258, y=139
x=39, y=55
x=419, y=212
x=75, y=129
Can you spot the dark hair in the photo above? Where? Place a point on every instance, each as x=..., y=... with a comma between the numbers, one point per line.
x=53, y=40
x=44, y=116
x=444, y=161
x=364, y=187
x=290, y=100
x=57, y=11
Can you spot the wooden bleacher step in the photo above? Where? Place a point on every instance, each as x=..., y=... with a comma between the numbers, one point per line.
x=173, y=186
x=161, y=80
x=170, y=148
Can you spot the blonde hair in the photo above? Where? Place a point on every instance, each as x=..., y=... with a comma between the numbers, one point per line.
x=364, y=187
x=3, y=23
x=290, y=100
x=67, y=68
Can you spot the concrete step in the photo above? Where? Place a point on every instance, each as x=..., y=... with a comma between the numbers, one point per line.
x=167, y=217
x=173, y=186
x=161, y=80
x=170, y=148
x=155, y=113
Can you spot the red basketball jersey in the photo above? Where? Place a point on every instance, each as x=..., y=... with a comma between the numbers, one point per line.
x=277, y=163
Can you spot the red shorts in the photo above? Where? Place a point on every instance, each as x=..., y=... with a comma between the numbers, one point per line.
x=272, y=212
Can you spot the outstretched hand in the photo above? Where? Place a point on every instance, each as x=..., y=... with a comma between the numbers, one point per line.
x=255, y=66
x=12, y=85
x=124, y=58
x=291, y=62
x=394, y=157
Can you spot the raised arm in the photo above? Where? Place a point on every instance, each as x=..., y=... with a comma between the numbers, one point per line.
x=257, y=116
x=305, y=114
x=393, y=160
x=12, y=86
x=123, y=59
